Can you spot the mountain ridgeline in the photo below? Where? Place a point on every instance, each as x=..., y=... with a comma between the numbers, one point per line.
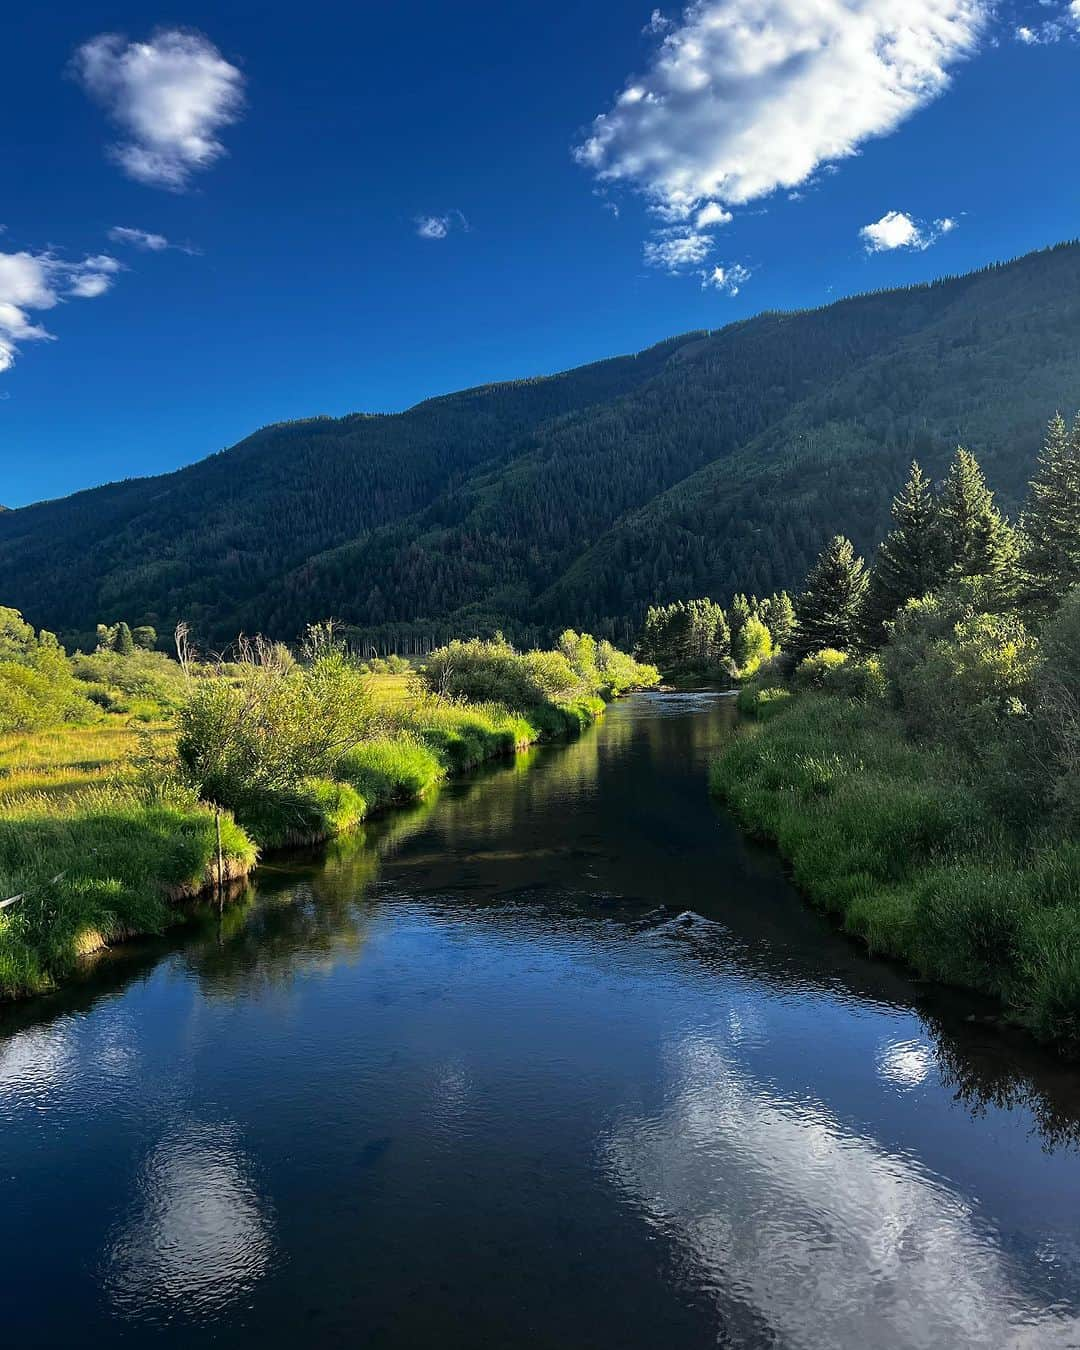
x=713, y=463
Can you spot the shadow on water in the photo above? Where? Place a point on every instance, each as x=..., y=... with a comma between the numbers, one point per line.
x=416, y=1083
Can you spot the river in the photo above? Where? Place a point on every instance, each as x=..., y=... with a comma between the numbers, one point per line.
x=455, y=1083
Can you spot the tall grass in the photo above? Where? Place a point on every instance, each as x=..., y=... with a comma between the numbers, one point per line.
x=899, y=841
x=96, y=868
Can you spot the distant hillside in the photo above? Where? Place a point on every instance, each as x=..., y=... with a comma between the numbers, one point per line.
x=713, y=462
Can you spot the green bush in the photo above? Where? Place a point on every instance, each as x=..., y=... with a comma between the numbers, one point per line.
x=863, y=681
x=37, y=687
x=811, y=671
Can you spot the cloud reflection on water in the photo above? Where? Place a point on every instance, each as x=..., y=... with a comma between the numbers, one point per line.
x=827, y=1236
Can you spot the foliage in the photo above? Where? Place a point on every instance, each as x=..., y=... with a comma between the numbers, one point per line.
x=492, y=670
x=273, y=728
x=811, y=671
x=687, y=639
x=828, y=613
x=910, y=560
x=979, y=542
x=146, y=684
x=893, y=838
x=1051, y=540
x=37, y=688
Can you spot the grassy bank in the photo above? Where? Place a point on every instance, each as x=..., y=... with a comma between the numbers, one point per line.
x=902, y=843
x=105, y=826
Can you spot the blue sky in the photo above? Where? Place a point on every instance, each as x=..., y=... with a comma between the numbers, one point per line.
x=366, y=205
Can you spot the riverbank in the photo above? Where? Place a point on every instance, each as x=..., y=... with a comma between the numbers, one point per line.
x=898, y=841
x=99, y=843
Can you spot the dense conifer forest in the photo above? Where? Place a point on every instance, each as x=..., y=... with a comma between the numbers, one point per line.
x=715, y=463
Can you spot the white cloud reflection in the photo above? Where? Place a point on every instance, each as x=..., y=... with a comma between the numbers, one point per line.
x=828, y=1238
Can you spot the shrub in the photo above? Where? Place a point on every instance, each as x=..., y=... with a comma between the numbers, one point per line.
x=272, y=728
x=37, y=688
x=811, y=671
x=862, y=681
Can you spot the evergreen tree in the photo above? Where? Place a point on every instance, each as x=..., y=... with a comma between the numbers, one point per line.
x=911, y=558
x=778, y=615
x=828, y=613
x=1051, y=519
x=979, y=541
x=125, y=643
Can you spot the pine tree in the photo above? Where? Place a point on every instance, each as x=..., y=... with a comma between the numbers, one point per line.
x=910, y=560
x=979, y=541
x=828, y=613
x=1051, y=519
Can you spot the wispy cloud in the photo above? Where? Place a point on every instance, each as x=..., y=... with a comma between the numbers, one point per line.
x=438, y=227
x=146, y=241
x=896, y=229
x=1064, y=23
x=171, y=96
x=31, y=282
x=745, y=97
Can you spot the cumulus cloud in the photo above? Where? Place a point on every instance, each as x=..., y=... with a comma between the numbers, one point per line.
x=896, y=229
x=729, y=280
x=747, y=96
x=170, y=96
x=677, y=250
x=40, y=281
x=712, y=213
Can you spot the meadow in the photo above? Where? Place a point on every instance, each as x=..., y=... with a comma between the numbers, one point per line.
x=165, y=782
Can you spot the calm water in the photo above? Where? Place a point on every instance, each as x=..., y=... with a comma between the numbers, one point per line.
x=448, y=1086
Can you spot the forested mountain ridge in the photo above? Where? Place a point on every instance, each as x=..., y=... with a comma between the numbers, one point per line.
x=712, y=463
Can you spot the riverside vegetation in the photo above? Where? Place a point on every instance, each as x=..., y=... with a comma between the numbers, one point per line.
x=915, y=748
x=130, y=781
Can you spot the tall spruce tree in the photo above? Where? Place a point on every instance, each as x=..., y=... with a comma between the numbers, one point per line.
x=911, y=558
x=828, y=613
x=979, y=541
x=1051, y=520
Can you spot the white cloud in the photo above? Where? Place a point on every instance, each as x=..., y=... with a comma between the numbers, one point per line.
x=151, y=243
x=171, y=96
x=730, y=280
x=896, y=229
x=433, y=227
x=747, y=96
x=712, y=213
x=438, y=227
x=1066, y=24
x=41, y=281
x=677, y=250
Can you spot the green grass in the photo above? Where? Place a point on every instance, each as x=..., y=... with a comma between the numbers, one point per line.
x=896, y=840
x=96, y=868
x=98, y=851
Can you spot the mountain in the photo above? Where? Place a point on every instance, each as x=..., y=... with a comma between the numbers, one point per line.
x=713, y=462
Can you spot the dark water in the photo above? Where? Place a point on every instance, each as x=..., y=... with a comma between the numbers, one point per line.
x=444, y=1088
